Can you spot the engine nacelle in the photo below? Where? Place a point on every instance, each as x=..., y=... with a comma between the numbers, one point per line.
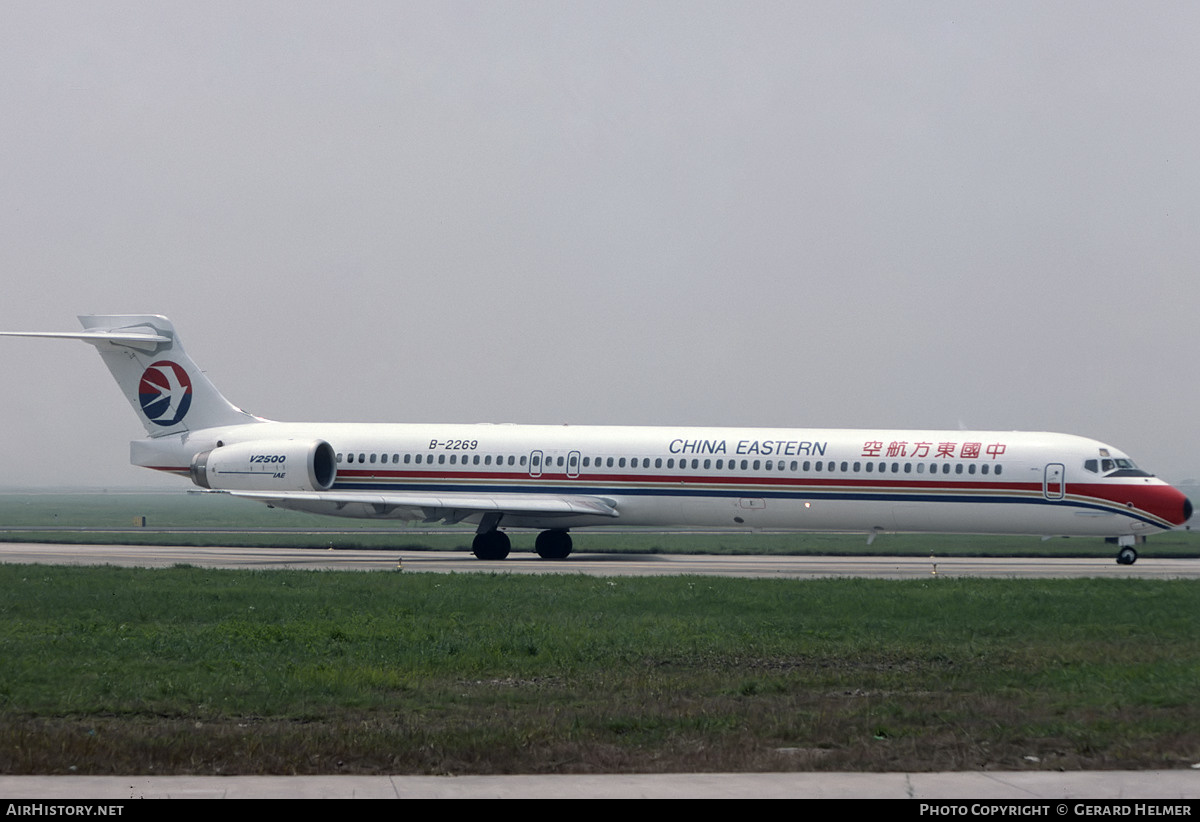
x=267, y=465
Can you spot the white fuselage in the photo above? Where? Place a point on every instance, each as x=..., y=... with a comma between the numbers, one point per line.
x=999, y=482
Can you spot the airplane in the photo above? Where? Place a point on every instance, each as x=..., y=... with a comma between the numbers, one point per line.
x=557, y=477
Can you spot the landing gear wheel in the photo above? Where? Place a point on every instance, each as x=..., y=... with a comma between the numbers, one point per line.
x=491, y=545
x=1126, y=556
x=553, y=545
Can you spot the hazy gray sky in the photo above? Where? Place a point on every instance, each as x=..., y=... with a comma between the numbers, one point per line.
x=925, y=215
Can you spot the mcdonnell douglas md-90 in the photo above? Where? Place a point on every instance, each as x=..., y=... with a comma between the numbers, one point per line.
x=557, y=477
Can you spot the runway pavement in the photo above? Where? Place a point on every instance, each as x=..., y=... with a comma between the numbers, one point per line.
x=778, y=567
x=1170, y=788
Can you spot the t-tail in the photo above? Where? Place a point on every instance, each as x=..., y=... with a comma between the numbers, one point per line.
x=168, y=392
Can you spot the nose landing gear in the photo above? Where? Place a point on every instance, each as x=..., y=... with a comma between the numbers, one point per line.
x=1127, y=554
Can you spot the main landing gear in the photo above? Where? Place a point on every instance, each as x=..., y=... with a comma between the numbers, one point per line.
x=490, y=543
x=554, y=544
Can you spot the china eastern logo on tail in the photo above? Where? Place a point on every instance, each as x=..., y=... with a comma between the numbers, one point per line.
x=165, y=393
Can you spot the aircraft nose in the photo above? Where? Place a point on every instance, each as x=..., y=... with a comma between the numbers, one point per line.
x=1171, y=504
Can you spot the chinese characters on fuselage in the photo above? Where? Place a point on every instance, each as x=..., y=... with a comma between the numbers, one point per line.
x=917, y=450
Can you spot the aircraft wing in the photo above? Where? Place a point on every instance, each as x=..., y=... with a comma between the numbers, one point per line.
x=450, y=506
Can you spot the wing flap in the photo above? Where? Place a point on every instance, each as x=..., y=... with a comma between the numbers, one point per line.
x=450, y=506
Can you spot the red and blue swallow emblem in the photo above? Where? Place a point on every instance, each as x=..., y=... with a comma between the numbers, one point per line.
x=165, y=393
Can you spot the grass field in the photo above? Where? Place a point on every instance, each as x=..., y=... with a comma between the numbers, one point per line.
x=189, y=670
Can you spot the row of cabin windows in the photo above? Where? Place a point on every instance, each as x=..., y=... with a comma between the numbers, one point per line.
x=795, y=466
x=419, y=459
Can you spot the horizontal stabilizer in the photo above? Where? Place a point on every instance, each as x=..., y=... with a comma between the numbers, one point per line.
x=147, y=341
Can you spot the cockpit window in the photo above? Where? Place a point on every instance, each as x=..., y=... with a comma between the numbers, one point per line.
x=1114, y=467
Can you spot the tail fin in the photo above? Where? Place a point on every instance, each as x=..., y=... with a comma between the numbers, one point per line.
x=167, y=391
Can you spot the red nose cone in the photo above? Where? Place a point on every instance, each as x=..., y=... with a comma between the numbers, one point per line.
x=1172, y=505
